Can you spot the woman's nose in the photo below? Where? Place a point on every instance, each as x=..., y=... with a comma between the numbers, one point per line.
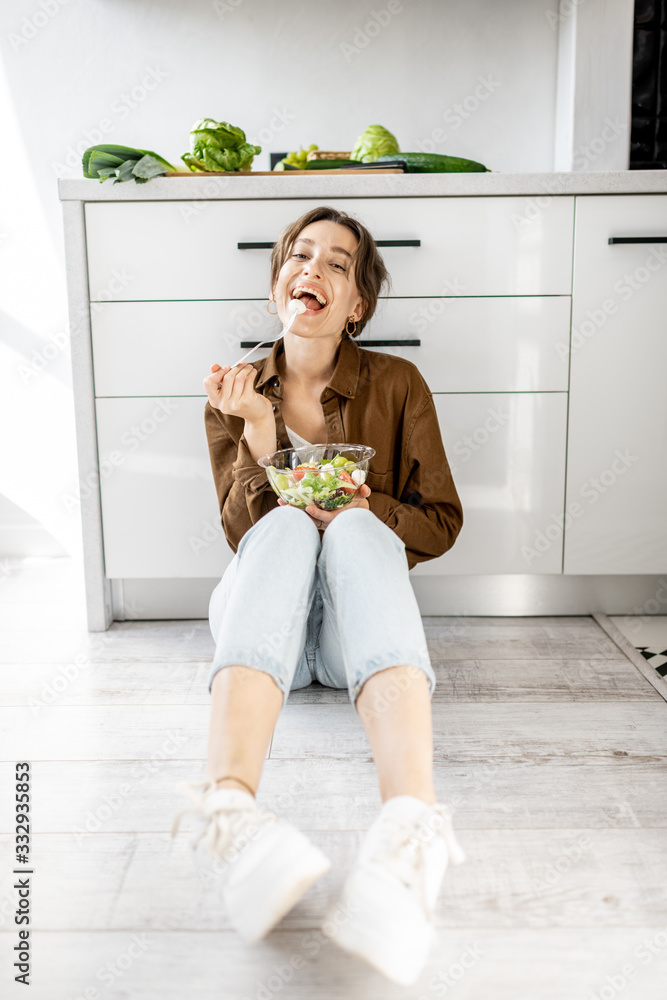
x=312, y=269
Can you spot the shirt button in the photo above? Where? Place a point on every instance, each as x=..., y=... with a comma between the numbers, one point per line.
x=349, y=392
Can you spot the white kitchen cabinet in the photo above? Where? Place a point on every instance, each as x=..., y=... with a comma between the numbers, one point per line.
x=488, y=344
x=469, y=246
x=482, y=291
x=506, y=452
x=159, y=506
x=617, y=440
x=161, y=519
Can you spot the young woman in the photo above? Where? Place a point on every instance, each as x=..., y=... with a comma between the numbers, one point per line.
x=325, y=595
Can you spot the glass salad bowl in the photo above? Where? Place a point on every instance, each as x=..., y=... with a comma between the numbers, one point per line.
x=327, y=476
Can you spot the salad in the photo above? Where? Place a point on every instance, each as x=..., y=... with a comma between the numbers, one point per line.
x=327, y=485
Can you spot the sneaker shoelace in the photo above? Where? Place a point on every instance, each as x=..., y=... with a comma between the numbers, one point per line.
x=221, y=826
x=402, y=844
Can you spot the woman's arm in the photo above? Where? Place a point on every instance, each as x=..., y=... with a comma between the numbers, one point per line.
x=242, y=486
x=240, y=428
x=429, y=515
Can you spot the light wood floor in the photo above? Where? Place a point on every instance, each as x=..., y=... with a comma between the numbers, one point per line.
x=550, y=749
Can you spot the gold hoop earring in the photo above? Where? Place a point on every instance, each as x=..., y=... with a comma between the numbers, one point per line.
x=268, y=310
x=351, y=332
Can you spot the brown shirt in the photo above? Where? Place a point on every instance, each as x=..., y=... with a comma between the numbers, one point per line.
x=372, y=398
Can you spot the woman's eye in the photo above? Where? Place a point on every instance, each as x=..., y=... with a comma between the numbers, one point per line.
x=340, y=266
x=298, y=255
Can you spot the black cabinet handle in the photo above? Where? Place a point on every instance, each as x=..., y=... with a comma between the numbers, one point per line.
x=378, y=243
x=398, y=243
x=396, y=342
x=637, y=239
x=362, y=343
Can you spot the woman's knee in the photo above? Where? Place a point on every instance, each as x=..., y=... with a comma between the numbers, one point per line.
x=360, y=521
x=287, y=519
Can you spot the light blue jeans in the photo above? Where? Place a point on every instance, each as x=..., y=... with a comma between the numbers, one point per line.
x=336, y=610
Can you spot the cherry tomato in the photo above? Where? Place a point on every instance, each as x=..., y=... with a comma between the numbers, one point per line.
x=300, y=471
x=346, y=481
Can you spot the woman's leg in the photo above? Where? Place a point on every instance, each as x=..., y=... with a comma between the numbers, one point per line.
x=395, y=708
x=245, y=706
x=258, y=618
x=372, y=620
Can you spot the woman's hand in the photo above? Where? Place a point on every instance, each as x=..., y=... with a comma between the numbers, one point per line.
x=232, y=391
x=322, y=518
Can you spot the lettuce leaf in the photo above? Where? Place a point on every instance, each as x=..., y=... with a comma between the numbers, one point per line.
x=216, y=146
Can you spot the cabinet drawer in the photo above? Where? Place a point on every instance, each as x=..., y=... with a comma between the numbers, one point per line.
x=160, y=513
x=489, y=344
x=159, y=507
x=468, y=246
x=495, y=344
x=153, y=348
x=507, y=456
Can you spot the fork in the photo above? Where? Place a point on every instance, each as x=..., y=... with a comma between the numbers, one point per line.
x=296, y=307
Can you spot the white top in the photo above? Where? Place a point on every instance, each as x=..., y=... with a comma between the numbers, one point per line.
x=296, y=439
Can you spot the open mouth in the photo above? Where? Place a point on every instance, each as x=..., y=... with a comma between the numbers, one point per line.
x=313, y=299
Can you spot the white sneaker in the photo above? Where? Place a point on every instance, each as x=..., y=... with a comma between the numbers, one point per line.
x=389, y=898
x=269, y=863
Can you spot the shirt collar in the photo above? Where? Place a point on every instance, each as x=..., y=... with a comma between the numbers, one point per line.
x=345, y=376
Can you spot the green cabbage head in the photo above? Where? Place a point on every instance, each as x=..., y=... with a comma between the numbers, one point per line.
x=374, y=142
x=218, y=146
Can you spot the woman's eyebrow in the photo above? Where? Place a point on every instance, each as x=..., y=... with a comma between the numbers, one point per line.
x=304, y=239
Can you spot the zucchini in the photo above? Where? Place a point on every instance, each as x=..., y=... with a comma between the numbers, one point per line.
x=427, y=163
x=331, y=164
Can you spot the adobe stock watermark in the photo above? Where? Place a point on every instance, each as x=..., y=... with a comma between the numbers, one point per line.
x=455, y=115
x=278, y=122
x=616, y=982
x=51, y=691
x=6, y=570
x=121, y=109
x=363, y=36
x=393, y=690
x=95, y=819
x=212, y=188
x=112, y=291
x=591, y=490
x=446, y=979
x=554, y=871
x=656, y=605
x=115, y=969
x=625, y=289
x=311, y=943
x=223, y=7
x=40, y=359
x=133, y=438
x=424, y=315
x=32, y=25
x=584, y=155
x=469, y=444
x=566, y=8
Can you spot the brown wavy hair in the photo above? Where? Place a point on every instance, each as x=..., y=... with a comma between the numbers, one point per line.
x=370, y=272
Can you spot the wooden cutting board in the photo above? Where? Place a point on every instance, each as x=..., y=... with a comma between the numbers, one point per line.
x=284, y=173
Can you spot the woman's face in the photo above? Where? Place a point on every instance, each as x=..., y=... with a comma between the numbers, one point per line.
x=320, y=262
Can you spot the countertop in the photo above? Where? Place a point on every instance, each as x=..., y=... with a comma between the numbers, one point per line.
x=367, y=185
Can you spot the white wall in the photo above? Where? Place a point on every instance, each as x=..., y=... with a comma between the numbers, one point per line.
x=289, y=73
